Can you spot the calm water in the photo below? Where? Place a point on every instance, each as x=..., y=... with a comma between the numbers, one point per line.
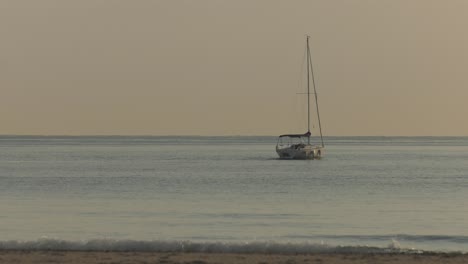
x=375, y=192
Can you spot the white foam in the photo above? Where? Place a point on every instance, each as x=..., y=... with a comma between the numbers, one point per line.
x=394, y=244
x=188, y=246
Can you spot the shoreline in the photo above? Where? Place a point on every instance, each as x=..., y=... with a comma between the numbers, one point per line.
x=128, y=257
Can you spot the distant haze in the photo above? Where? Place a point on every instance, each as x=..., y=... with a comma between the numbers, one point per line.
x=149, y=67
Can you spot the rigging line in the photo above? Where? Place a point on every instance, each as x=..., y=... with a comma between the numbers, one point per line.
x=299, y=103
x=301, y=72
x=308, y=91
x=315, y=90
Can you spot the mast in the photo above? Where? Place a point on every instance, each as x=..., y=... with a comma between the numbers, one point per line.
x=309, y=62
x=308, y=92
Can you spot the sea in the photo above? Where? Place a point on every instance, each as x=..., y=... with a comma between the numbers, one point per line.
x=232, y=194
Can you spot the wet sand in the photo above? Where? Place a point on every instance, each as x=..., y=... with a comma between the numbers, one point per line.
x=68, y=257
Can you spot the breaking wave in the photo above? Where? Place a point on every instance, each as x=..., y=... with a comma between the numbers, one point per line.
x=264, y=247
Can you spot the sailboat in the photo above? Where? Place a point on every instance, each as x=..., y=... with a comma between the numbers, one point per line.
x=298, y=146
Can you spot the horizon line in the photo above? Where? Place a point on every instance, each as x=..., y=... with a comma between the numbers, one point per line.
x=193, y=135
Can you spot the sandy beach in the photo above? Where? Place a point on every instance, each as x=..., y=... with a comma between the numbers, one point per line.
x=69, y=257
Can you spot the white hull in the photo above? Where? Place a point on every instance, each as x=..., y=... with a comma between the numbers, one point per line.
x=300, y=151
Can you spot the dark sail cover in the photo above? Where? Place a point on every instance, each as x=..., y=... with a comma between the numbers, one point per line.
x=296, y=135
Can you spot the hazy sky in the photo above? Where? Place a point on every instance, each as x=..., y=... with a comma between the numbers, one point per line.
x=89, y=67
